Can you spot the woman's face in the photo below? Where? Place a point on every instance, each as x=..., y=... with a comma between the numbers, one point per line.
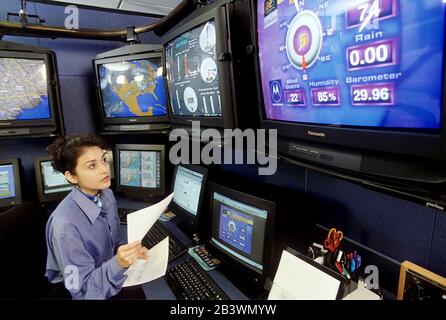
x=92, y=172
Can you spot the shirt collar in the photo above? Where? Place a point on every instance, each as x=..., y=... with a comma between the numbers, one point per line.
x=90, y=209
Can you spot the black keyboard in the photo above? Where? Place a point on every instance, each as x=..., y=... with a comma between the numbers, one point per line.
x=123, y=212
x=189, y=281
x=158, y=233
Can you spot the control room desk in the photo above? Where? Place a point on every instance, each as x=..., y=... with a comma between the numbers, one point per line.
x=159, y=289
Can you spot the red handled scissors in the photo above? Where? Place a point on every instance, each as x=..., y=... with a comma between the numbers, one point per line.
x=333, y=239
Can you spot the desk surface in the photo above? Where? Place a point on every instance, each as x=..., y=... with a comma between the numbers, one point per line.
x=159, y=289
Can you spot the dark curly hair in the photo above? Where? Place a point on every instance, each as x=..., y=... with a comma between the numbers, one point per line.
x=66, y=150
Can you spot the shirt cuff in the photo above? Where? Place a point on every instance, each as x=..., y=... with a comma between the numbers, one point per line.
x=115, y=268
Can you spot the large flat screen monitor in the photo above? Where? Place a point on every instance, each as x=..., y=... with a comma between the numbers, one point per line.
x=140, y=170
x=10, y=189
x=51, y=184
x=366, y=74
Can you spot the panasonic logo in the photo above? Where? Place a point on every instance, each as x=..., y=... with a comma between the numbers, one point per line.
x=133, y=120
x=434, y=205
x=316, y=134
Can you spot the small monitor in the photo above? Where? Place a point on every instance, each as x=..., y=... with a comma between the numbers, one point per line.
x=241, y=233
x=189, y=182
x=10, y=190
x=51, y=184
x=140, y=170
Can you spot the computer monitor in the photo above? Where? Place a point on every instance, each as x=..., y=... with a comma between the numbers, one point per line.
x=242, y=235
x=365, y=78
x=131, y=89
x=51, y=184
x=29, y=91
x=10, y=190
x=199, y=78
x=189, y=182
x=140, y=170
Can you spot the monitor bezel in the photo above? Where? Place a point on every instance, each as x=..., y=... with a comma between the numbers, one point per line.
x=139, y=192
x=192, y=221
x=226, y=83
x=9, y=202
x=39, y=179
x=427, y=144
x=256, y=202
x=130, y=120
x=52, y=83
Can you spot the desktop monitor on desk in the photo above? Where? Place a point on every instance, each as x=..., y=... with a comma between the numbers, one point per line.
x=241, y=235
x=10, y=191
x=51, y=184
x=189, y=182
x=140, y=171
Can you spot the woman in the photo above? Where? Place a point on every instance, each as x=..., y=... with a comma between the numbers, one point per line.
x=84, y=252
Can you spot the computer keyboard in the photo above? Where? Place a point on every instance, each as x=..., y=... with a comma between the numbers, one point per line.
x=123, y=212
x=158, y=233
x=189, y=282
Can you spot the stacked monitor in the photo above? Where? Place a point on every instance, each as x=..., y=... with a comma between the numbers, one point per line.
x=362, y=74
x=10, y=189
x=131, y=89
x=242, y=236
x=140, y=171
x=29, y=94
x=198, y=76
x=51, y=185
x=189, y=184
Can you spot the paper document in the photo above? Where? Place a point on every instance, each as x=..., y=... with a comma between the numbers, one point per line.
x=143, y=271
x=299, y=280
x=139, y=222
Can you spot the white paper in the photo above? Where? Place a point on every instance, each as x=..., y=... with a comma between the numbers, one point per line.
x=296, y=279
x=143, y=271
x=139, y=222
x=362, y=293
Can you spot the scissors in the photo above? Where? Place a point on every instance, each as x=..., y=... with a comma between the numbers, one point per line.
x=333, y=239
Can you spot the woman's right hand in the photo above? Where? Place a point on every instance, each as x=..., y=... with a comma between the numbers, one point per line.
x=128, y=253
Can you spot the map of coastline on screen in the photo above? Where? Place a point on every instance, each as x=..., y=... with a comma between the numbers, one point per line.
x=369, y=63
x=133, y=88
x=23, y=89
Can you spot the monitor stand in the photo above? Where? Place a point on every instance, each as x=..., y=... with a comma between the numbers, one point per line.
x=243, y=282
x=189, y=232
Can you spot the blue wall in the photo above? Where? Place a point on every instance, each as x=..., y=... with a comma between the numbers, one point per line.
x=394, y=227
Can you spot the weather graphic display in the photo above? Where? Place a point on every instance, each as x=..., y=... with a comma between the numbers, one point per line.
x=192, y=73
x=133, y=88
x=236, y=228
x=139, y=169
x=371, y=63
x=23, y=89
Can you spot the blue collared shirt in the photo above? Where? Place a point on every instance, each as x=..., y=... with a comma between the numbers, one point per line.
x=81, y=242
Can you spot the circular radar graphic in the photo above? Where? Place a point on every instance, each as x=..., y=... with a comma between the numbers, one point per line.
x=190, y=99
x=304, y=40
x=208, y=70
x=231, y=226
